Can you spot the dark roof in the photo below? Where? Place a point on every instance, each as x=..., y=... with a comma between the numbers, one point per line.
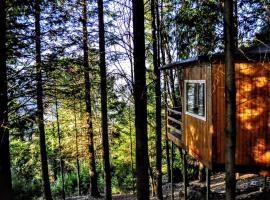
x=260, y=49
x=251, y=54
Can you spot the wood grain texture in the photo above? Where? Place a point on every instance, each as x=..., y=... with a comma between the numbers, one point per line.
x=197, y=134
x=218, y=107
x=204, y=140
x=252, y=102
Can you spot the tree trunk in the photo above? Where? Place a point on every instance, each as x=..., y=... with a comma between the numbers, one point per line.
x=152, y=182
x=5, y=174
x=201, y=175
x=77, y=150
x=93, y=173
x=158, y=101
x=168, y=161
x=172, y=179
x=166, y=104
x=60, y=149
x=40, y=109
x=54, y=161
x=171, y=78
x=131, y=148
x=104, y=117
x=236, y=23
x=230, y=107
x=142, y=160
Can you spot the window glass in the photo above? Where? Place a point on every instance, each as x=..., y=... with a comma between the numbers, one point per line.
x=195, y=97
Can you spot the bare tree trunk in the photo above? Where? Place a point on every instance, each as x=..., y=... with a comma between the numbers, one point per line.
x=131, y=148
x=166, y=132
x=163, y=60
x=140, y=93
x=172, y=160
x=60, y=149
x=171, y=76
x=54, y=161
x=77, y=150
x=40, y=109
x=166, y=104
x=104, y=115
x=230, y=97
x=152, y=182
x=158, y=101
x=93, y=173
x=236, y=23
x=201, y=175
x=5, y=174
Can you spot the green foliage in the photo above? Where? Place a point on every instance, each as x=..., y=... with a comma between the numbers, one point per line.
x=71, y=184
x=26, y=179
x=31, y=190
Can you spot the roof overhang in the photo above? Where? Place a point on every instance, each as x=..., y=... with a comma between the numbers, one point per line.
x=254, y=54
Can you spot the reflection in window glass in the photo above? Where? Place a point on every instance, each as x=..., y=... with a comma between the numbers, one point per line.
x=195, y=97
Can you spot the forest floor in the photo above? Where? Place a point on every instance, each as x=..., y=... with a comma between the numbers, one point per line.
x=249, y=187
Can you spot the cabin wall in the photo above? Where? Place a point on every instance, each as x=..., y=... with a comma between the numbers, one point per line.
x=197, y=134
x=253, y=114
x=218, y=112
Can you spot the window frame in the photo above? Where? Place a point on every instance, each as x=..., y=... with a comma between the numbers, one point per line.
x=185, y=99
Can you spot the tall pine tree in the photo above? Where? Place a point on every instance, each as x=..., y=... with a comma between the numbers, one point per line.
x=230, y=100
x=104, y=115
x=40, y=109
x=5, y=174
x=142, y=159
x=93, y=172
x=156, y=63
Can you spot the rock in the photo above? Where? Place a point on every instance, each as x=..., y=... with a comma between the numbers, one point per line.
x=254, y=183
x=194, y=193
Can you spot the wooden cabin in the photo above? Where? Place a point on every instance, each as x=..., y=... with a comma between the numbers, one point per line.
x=197, y=124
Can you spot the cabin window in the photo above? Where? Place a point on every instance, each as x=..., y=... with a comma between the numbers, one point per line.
x=195, y=98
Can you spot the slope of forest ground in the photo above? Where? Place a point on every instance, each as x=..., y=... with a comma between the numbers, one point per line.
x=249, y=186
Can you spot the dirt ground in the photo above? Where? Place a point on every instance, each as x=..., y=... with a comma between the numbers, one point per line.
x=249, y=187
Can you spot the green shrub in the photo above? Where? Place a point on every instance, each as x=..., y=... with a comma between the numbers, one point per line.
x=26, y=190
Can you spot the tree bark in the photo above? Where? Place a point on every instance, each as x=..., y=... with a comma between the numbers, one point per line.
x=77, y=149
x=230, y=98
x=93, y=173
x=152, y=181
x=60, y=149
x=104, y=115
x=5, y=173
x=142, y=160
x=156, y=63
x=131, y=147
x=236, y=23
x=166, y=132
x=40, y=109
x=163, y=59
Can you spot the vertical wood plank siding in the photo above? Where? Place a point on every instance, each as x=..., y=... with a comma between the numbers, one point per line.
x=253, y=114
x=197, y=134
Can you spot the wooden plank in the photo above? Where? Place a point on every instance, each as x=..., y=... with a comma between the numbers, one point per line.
x=174, y=129
x=197, y=133
x=174, y=111
x=175, y=138
x=175, y=120
x=253, y=116
x=218, y=106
